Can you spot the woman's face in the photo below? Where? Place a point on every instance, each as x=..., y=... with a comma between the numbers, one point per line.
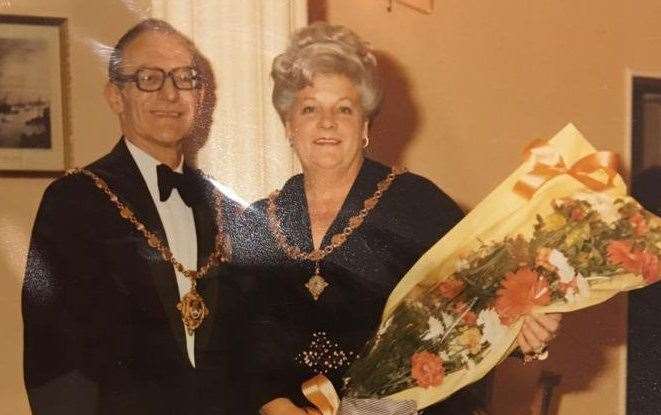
x=326, y=123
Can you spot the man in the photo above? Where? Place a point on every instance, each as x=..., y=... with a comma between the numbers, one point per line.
x=103, y=298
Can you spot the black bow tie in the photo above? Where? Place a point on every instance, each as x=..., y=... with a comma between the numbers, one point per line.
x=168, y=180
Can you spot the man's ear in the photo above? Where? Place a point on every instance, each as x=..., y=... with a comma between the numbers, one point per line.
x=288, y=132
x=201, y=94
x=114, y=98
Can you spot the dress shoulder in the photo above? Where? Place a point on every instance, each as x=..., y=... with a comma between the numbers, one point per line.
x=420, y=209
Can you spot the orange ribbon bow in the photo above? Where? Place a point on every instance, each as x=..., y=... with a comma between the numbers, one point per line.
x=587, y=170
x=320, y=391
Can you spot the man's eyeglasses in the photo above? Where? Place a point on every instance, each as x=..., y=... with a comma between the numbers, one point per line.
x=153, y=79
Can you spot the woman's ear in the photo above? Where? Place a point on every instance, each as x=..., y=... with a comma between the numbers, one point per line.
x=114, y=98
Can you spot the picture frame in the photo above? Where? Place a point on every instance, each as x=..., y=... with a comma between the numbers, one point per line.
x=423, y=6
x=646, y=123
x=33, y=95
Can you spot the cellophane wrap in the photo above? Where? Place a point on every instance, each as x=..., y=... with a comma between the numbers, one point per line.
x=574, y=241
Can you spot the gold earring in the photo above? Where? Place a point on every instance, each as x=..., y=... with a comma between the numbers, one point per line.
x=366, y=140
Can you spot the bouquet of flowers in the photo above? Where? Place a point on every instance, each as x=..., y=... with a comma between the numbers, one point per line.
x=558, y=235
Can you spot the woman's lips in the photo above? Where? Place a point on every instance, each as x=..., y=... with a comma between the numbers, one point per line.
x=327, y=140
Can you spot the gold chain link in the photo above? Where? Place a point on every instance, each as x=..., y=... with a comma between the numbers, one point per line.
x=216, y=257
x=338, y=239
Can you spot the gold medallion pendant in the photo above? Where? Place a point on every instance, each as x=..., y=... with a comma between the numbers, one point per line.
x=192, y=307
x=316, y=285
x=193, y=310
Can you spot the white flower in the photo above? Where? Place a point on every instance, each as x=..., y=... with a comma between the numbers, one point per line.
x=461, y=265
x=583, y=286
x=381, y=331
x=435, y=328
x=492, y=329
x=583, y=292
x=559, y=261
x=448, y=319
x=470, y=363
x=467, y=359
x=602, y=204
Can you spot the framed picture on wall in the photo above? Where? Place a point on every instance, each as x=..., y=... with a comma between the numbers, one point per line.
x=33, y=115
x=646, y=125
x=423, y=6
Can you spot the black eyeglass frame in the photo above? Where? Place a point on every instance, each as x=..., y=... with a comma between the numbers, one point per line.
x=196, y=80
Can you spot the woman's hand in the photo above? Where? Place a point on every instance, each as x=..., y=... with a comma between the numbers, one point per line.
x=283, y=406
x=537, y=331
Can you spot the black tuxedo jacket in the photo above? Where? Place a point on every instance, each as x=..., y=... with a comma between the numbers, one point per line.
x=102, y=332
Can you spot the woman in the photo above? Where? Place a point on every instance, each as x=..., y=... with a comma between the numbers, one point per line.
x=334, y=242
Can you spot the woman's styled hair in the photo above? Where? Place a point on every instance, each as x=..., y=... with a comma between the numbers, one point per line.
x=324, y=49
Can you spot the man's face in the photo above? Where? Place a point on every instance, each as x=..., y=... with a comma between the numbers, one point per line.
x=159, y=119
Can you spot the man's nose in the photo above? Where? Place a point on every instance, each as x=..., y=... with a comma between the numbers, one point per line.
x=169, y=91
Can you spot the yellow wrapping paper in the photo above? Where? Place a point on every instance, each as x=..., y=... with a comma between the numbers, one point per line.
x=504, y=212
x=565, y=166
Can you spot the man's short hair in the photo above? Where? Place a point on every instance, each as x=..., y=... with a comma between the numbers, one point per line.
x=148, y=25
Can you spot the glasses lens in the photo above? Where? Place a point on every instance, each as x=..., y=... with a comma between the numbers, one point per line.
x=185, y=78
x=150, y=79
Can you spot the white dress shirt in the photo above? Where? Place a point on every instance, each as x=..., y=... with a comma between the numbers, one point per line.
x=179, y=225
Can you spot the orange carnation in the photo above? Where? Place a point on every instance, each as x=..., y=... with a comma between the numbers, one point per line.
x=519, y=293
x=427, y=369
x=642, y=262
x=621, y=253
x=450, y=287
x=639, y=224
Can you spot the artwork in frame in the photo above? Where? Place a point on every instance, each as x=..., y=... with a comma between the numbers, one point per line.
x=33, y=116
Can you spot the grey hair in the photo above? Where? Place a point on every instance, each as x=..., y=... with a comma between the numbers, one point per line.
x=325, y=49
x=148, y=25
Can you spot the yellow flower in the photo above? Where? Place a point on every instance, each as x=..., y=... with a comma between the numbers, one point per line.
x=578, y=235
x=554, y=221
x=471, y=340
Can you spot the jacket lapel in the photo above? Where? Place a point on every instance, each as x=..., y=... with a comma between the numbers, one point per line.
x=206, y=228
x=121, y=172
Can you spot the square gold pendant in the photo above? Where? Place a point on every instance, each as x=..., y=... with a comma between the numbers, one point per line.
x=316, y=285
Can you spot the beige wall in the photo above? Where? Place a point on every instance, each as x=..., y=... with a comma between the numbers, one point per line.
x=94, y=131
x=470, y=85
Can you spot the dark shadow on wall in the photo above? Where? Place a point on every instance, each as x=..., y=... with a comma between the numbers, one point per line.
x=397, y=123
x=204, y=116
